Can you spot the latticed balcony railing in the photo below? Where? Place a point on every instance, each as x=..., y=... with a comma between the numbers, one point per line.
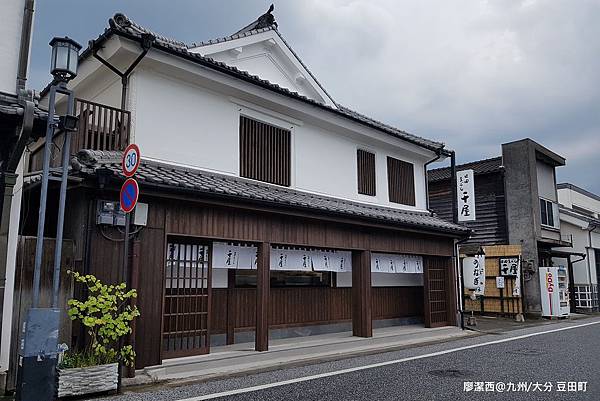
x=101, y=127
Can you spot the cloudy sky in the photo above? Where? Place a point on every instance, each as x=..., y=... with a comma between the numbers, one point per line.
x=472, y=74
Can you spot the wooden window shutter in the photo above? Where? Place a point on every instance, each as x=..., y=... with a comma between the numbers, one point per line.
x=401, y=181
x=366, y=172
x=265, y=152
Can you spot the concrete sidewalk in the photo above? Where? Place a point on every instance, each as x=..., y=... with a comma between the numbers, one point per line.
x=497, y=325
x=240, y=359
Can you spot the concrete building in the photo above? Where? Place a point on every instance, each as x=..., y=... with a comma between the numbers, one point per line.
x=516, y=204
x=580, y=221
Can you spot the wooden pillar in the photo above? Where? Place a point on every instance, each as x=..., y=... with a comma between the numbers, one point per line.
x=451, y=291
x=263, y=284
x=230, y=330
x=362, y=323
x=426, y=303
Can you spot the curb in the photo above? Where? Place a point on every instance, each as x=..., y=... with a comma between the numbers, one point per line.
x=133, y=388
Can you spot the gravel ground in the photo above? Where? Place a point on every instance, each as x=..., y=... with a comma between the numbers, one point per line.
x=570, y=355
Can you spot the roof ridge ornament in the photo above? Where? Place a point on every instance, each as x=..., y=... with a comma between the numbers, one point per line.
x=120, y=19
x=267, y=20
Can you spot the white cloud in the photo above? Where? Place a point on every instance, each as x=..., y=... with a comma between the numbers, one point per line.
x=473, y=74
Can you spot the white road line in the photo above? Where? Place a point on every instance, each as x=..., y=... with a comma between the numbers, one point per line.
x=375, y=365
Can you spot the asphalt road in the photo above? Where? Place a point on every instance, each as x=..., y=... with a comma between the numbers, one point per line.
x=546, y=354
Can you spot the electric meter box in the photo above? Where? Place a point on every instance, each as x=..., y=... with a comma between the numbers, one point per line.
x=109, y=213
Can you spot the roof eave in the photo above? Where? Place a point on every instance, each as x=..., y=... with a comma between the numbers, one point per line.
x=436, y=148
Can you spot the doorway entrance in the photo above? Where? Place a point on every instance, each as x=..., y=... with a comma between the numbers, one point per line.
x=186, y=303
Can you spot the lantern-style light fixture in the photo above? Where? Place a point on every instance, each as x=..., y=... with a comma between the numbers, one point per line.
x=65, y=55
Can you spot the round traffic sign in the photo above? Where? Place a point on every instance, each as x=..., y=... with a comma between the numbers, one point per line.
x=129, y=195
x=131, y=160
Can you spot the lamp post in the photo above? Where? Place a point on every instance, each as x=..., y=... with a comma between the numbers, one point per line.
x=36, y=378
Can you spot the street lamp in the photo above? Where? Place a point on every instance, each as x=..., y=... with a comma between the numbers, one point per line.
x=65, y=55
x=38, y=353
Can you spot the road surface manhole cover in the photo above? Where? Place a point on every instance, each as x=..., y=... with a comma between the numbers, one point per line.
x=527, y=352
x=450, y=373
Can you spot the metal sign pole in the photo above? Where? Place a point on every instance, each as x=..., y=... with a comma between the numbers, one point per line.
x=126, y=250
x=66, y=153
x=43, y=197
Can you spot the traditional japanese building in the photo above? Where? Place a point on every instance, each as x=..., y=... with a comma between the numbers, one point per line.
x=266, y=207
x=516, y=204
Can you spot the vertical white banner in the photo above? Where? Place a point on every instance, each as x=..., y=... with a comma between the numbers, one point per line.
x=465, y=192
x=474, y=274
x=376, y=263
x=517, y=287
x=419, y=264
x=480, y=290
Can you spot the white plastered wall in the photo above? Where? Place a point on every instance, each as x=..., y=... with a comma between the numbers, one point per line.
x=187, y=124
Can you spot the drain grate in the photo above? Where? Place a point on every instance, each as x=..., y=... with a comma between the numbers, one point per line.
x=456, y=373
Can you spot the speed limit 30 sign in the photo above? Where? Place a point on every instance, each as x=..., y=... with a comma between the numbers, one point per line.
x=131, y=160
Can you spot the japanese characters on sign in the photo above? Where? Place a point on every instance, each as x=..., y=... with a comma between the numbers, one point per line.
x=499, y=282
x=391, y=263
x=241, y=256
x=511, y=267
x=465, y=192
x=232, y=256
x=284, y=258
x=474, y=274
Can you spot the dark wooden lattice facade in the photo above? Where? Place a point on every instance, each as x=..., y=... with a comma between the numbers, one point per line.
x=265, y=152
x=401, y=181
x=365, y=163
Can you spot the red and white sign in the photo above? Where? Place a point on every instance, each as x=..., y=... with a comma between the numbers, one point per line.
x=549, y=282
x=129, y=195
x=131, y=160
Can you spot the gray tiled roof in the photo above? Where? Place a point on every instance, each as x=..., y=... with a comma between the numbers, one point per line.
x=479, y=167
x=231, y=37
x=123, y=26
x=9, y=105
x=172, y=177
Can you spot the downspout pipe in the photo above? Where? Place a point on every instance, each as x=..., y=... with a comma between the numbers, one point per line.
x=591, y=227
x=461, y=289
x=25, y=43
x=147, y=42
x=438, y=156
x=453, y=187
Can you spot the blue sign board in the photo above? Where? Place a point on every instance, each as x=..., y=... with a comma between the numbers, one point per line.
x=129, y=195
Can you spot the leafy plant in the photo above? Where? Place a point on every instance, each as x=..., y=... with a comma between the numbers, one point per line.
x=107, y=316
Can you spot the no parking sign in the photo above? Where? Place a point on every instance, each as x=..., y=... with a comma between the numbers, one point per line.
x=129, y=195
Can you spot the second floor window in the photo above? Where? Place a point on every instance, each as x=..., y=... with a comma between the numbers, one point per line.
x=549, y=211
x=366, y=172
x=265, y=152
x=401, y=181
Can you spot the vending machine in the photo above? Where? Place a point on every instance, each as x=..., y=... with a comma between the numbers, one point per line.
x=554, y=286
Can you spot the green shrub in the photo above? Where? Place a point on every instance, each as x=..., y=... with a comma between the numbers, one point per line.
x=107, y=316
